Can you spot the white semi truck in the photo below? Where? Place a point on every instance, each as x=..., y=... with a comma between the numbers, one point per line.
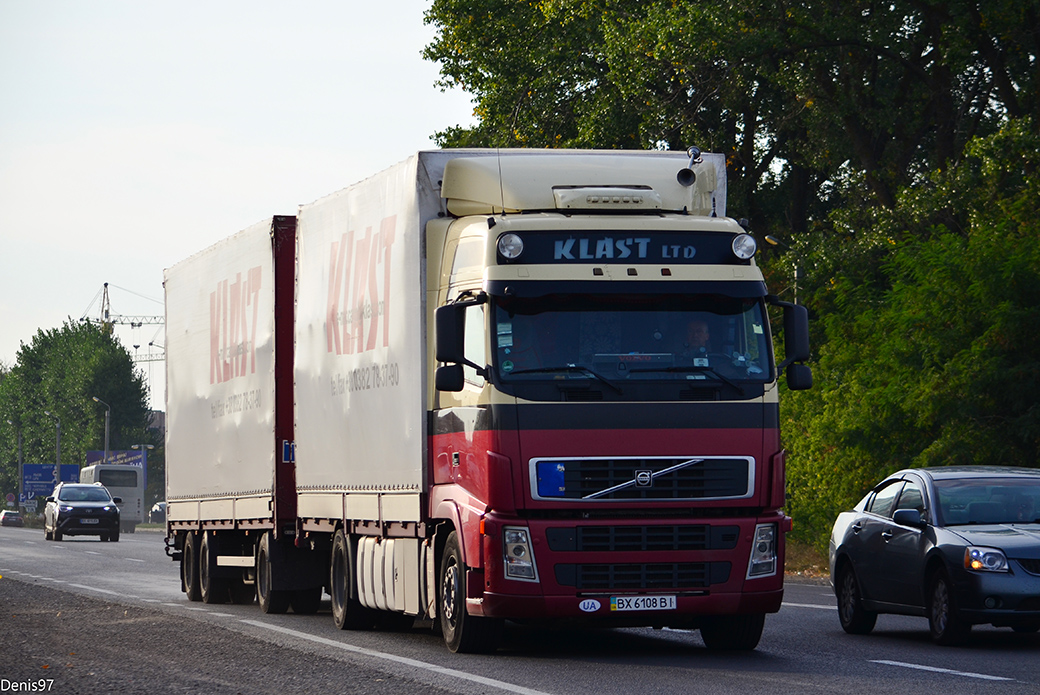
x=481, y=386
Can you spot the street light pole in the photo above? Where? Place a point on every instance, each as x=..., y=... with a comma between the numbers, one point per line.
x=57, y=448
x=797, y=267
x=108, y=416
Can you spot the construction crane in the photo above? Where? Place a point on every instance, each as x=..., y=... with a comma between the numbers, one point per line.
x=107, y=320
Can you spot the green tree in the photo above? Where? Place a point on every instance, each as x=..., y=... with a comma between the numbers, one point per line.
x=61, y=371
x=934, y=360
x=816, y=105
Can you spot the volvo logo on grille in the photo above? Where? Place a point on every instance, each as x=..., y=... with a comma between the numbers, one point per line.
x=644, y=478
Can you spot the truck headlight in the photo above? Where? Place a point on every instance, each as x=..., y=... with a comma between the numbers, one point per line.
x=517, y=554
x=985, y=559
x=763, y=552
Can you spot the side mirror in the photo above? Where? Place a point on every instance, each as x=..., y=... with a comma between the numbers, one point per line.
x=450, y=325
x=117, y=500
x=50, y=498
x=908, y=517
x=799, y=377
x=449, y=377
x=796, y=333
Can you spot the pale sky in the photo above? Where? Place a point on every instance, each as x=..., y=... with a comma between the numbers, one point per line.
x=134, y=134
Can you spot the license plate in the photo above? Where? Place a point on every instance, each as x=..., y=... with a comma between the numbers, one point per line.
x=642, y=603
x=88, y=521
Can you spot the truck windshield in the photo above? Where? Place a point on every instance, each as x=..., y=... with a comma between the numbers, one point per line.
x=624, y=338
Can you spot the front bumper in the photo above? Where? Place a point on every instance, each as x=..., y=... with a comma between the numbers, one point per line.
x=999, y=598
x=80, y=525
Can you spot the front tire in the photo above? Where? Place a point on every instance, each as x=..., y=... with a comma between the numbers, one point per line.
x=855, y=619
x=347, y=611
x=946, y=625
x=463, y=633
x=733, y=632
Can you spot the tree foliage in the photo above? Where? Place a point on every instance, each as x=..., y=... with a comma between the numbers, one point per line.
x=935, y=360
x=60, y=372
x=893, y=144
x=815, y=104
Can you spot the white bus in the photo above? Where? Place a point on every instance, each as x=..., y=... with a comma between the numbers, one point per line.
x=122, y=481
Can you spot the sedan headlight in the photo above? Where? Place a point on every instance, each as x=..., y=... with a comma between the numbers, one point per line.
x=985, y=559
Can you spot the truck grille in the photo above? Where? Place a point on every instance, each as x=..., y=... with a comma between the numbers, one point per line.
x=611, y=479
x=655, y=576
x=642, y=538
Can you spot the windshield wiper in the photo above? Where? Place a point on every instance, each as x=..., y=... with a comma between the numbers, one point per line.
x=691, y=368
x=568, y=368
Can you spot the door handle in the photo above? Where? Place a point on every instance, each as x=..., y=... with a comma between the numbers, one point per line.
x=857, y=527
x=887, y=535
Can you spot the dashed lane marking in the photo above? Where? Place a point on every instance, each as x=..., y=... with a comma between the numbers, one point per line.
x=934, y=669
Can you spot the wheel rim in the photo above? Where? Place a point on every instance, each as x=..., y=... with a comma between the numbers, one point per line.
x=451, y=581
x=940, y=606
x=848, y=596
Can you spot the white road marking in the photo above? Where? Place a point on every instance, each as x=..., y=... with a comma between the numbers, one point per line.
x=94, y=588
x=934, y=669
x=490, y=682
x=133, y=559
x=811, y=605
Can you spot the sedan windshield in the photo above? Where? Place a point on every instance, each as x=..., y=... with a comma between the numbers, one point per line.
x=84, y=494
x=988, y=501
x=612, y=338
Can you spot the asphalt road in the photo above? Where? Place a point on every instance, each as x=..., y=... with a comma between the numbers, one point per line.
x=109, y=617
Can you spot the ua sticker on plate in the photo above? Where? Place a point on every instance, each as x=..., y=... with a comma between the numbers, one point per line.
x=589, y=605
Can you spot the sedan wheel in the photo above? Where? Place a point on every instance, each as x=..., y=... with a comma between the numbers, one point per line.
x=855, y=619
x=946, y=626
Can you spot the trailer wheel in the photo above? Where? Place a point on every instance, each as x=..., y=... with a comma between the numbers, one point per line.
x=463, y=633
x=212, y=589
x=271, y=601
x=733, y=632
x=190, y=567
x=347, y=611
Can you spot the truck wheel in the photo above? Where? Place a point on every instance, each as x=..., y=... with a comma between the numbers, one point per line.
x=733, y=632
x=212, y=589
x=190, y=567
x=854, y=619
x=463, y=633
x=946, y=626
x=347, y=611
x=271, y=601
